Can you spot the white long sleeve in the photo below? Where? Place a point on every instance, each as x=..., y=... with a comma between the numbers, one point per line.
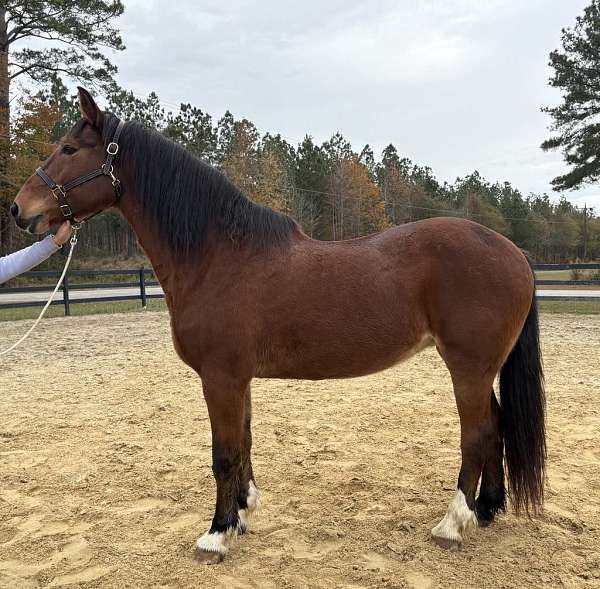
x=27, y=258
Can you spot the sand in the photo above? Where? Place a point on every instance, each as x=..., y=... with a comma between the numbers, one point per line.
x=105, y=477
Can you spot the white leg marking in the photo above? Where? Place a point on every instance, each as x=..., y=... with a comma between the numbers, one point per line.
x=217, y=541
x=243, y=517
x=253, y=502
x=253, y=499
x=458, y=519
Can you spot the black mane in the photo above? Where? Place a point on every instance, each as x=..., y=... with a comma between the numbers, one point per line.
x=185, y=197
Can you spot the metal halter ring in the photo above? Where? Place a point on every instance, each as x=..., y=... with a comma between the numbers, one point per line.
x=112, y=148
x=107, y=170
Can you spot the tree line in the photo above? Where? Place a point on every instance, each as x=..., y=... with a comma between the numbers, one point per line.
x=332, y=189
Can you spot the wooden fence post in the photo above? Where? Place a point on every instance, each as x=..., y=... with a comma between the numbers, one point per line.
x=143, y=287
x=65, y=289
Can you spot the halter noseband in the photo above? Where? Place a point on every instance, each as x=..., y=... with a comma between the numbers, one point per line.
x=106, y=169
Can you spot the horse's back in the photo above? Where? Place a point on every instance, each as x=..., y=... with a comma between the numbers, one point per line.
x=439, y=258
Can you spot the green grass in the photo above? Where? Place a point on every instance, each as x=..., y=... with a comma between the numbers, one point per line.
x=577, y=307
x=563, y=275
x=553, y=275
x=83, y=309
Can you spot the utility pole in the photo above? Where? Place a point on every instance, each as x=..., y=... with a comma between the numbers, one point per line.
x=584, y=232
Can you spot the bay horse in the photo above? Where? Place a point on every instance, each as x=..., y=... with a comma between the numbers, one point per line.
x=250, y=295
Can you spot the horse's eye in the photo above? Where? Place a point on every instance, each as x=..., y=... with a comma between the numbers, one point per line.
x=68, y=149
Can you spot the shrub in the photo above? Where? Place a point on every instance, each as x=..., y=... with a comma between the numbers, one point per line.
x=576, y=274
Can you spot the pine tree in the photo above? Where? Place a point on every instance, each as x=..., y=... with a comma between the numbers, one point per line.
x=193, y=129
x=76, y=30
x=575, y=121
x=311, y=175
x=126, y=105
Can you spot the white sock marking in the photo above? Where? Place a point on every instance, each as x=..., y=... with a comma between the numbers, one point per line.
x=458, y=519
x=253, y=499
x=215, y=542
x=243, y=517
x=253, y=502
x=219, y=541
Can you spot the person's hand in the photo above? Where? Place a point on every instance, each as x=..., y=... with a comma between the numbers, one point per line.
x=63, y=234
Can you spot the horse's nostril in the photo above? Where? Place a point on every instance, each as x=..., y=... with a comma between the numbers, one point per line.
x=14, y=210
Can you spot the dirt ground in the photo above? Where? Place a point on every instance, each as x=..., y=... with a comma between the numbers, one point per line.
x=105, y=477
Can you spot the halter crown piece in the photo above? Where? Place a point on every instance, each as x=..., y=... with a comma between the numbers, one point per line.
x=106, y=169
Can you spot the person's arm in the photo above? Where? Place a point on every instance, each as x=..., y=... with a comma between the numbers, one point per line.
x=27, y=258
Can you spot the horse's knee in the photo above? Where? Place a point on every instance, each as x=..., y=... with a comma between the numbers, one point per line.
x=226, y=464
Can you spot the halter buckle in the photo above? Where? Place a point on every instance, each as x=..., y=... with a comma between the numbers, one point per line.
x=58, y=191
x=66, y=210
x=112, y=148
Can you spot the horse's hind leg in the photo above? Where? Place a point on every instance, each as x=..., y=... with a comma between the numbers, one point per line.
x=492, y=496
x=248, y=494
x=476, y=423
x=225, y=399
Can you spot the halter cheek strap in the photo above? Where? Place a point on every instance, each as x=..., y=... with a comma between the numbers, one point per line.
x=106, y=169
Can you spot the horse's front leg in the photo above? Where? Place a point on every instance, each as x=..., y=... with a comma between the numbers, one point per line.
x=248, y=494
x=225, y=398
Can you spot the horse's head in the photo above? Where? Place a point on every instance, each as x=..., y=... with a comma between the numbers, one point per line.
x=36, y=208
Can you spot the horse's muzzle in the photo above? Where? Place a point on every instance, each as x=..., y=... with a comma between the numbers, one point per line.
x=29, y=225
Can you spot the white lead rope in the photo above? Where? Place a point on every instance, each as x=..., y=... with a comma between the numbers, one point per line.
x=73, y=242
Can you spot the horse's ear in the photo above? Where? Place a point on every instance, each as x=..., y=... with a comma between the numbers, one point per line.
x=89, y=109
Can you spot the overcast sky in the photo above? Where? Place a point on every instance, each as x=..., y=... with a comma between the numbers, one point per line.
x=454, y=84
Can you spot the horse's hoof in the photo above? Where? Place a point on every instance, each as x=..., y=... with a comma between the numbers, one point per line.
x=447, y=543
x=207, y=556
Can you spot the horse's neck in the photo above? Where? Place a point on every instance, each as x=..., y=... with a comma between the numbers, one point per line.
x=165, y=265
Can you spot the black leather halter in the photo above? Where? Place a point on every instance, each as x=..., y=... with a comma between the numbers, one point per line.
x=106, y=169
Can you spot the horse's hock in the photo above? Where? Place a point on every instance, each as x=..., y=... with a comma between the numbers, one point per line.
x=106, y=477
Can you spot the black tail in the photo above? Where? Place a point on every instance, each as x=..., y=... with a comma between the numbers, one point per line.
x=523, y=404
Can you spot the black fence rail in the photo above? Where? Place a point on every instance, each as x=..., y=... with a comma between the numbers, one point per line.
x=556, y=267
x=143, y=278
x=568, y=282
x=581, y=266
